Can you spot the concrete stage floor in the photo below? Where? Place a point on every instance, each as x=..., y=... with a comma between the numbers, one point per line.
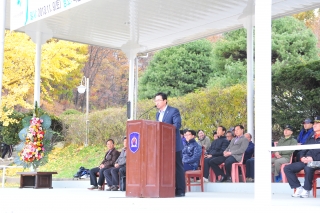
x=15, y=200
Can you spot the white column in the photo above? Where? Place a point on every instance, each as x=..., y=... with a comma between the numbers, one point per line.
x=2, y=28
x=250, y=87
x=263, y=123
x=136, y=77
x=247, y=19
x=131, y=48
x=37, y=68
x=87, y=112
x=131, y=85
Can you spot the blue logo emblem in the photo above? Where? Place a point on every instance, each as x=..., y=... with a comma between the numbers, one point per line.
x=134, y=140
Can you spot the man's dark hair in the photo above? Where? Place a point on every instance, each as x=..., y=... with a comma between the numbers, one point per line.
x=239, y=125
x=125, y=137
x=230, y=133
x=200, y=130
x=214, y=132
x=223, y=128
x=163, y=95
x=181, y=132
x=110, y=140
x=192, y=132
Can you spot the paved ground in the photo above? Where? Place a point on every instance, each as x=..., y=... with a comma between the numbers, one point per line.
x=14, y=200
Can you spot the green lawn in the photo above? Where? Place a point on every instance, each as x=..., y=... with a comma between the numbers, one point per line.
x=67, y=161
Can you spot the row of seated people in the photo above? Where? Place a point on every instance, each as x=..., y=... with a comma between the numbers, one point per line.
x=223, y=151
x=284, y=157
x=303, y=158
x=111, y=169
x=220, y=151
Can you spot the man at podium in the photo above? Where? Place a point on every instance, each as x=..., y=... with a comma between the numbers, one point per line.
x=171, y=115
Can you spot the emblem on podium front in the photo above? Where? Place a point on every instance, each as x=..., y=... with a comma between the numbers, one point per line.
x=134, y=139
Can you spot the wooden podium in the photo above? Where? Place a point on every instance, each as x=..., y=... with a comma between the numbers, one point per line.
x=151, y=156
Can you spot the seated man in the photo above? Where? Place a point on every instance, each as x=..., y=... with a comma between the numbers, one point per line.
x=232, y=154
x=183, y=139
x=305, y=133
x=306, y=156
x=112, y=176
x=203, y=139
x=250, y=150
x=191, y=152
x=216, y=149
x=229, y=136
x=108, y=162
x=281, y=157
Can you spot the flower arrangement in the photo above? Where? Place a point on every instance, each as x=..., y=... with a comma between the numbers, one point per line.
x=34, y=148
x=35, y=136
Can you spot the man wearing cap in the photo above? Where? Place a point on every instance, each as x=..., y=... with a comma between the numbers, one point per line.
x=306, y=132
x=281, y=157
x=306, y=157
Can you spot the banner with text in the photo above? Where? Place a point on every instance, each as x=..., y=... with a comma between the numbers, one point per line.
x=23, y=12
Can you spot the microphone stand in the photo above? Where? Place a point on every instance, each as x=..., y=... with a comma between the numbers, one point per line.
x=147, y=111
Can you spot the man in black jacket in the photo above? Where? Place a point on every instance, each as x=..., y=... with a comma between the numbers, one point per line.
x=306, y=157
x=216, y=149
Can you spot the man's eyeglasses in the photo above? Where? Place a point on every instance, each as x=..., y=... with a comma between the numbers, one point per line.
x=158, y=100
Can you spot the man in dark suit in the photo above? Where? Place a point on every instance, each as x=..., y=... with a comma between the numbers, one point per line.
x=171, y=115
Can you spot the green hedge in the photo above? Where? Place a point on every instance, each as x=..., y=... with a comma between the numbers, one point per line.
x=205, y=109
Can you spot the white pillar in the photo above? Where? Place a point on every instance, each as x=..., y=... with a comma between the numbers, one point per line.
x=37, y=69
x=2, y=28
x=136, y=77
x=131, y=48
x=250, y=87
x=263, y=123
x=131, y=85
x=87, y=112
x=247, y=19
x=39, y=33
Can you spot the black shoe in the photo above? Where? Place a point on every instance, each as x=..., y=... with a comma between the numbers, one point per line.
x=114, y=188
x=229, y=180
x=110, y=188
x=180, y=194
x=222, y=179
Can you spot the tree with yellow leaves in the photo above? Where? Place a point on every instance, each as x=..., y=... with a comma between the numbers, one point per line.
x=61, y=63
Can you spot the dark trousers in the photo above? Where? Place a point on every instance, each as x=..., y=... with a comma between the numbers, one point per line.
x=250, y=168
x=7, y=148
x=180, y=176
x=112, y=175
x=206, y=167
x=228, y=161
x=291, y=170
x=188, y=167
x=93, y=177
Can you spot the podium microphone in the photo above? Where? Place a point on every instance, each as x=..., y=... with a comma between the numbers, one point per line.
x=147, y=111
